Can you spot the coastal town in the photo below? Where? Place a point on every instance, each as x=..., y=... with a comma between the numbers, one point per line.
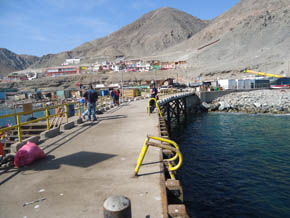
x=182, y=112
x=72, y=67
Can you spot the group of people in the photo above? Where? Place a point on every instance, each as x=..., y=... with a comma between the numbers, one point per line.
x=90, y=99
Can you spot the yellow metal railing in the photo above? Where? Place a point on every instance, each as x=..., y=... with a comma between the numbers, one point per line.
x=156, y=104
x=46, y=117
x=174, y=148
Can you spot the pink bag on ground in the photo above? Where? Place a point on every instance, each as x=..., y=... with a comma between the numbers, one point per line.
x=27, y=154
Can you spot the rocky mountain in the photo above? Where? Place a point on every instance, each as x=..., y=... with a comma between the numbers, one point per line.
x=151, y=33
x=253, y=34
x=9, y=61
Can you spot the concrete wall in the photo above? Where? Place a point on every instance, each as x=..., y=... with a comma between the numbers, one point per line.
x=208, y=97
x=192, y=103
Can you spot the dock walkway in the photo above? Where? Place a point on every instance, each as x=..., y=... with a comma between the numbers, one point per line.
x=87, y=164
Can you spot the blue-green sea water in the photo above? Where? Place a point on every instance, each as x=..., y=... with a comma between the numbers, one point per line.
x=236, y=165
x=12, y=120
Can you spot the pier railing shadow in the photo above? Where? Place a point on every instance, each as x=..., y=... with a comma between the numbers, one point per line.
x=55, y=144
x=82, y=159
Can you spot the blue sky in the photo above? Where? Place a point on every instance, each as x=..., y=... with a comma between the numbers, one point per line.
x=39, y=27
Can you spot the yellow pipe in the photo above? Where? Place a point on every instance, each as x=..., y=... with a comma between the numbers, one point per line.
x=154, y=99
x=172, y=176
x=47, y=118
x=19, y=127
x=141, y=156
x=175, y=148
x=178, y=154
x=169, y=142
x=80, y=112
x=263, y=74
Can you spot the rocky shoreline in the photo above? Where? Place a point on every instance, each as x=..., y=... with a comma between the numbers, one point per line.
x=253, y=102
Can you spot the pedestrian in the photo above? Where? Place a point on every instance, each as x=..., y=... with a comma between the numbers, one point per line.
x=115, y=96
x=83, y=101
x=153, y=94
x=91, y=97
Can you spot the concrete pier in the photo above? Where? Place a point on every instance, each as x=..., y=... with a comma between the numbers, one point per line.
x=87, y=164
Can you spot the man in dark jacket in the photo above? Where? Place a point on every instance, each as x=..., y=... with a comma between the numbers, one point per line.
x=91, y=97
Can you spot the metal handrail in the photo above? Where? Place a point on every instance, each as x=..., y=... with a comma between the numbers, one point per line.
x=46, y=117
x=156, y=104
x=173, y=148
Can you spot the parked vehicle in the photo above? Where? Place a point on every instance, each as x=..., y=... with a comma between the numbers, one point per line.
x=281, y=83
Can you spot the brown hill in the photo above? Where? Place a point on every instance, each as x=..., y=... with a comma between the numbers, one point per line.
x=152, y=33
x=10, y=61
x=253, y=34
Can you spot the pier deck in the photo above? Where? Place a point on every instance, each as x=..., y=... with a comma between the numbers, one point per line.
x=87, y=164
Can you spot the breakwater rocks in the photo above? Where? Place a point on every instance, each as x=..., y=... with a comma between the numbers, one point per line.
x=257, y=101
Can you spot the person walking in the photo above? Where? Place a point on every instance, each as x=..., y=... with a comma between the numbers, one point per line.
x=153, y=94
x=115, y=95
x=91, y=97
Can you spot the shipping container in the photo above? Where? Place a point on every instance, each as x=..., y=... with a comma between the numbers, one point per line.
x=227, y=83
x=240, y=84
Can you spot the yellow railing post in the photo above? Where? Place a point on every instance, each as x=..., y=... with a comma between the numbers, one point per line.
x=141, y=156
x=173, y=148
x=66, y=112
x=80, y=112
x=19, y=127
x=47, y=118
x=156, y=104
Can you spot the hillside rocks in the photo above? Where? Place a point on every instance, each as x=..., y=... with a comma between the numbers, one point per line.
x=9, y=61
x=258, y=101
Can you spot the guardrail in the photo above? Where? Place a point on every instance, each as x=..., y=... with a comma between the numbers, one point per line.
x=156, y=105
x=174, y=148
x=47, y=117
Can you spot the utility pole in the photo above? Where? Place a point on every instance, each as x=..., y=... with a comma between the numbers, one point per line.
x=122, y=86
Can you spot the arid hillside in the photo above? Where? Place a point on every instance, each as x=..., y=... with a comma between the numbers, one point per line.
x=9, y=61
x=151, y=33
x=253, y=34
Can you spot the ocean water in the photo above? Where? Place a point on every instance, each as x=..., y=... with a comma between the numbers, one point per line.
x=12, y=120
x=236, y=165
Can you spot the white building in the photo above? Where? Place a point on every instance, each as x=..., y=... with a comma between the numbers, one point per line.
x=71, y=61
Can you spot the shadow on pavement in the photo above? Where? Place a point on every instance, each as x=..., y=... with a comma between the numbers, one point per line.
x=112, y=117
x=147, y=174
x=81, y=159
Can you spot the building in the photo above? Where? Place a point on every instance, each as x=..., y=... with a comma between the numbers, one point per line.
x=167, y=65
x=16, y=77
x=71, y=61
x=62, y=71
